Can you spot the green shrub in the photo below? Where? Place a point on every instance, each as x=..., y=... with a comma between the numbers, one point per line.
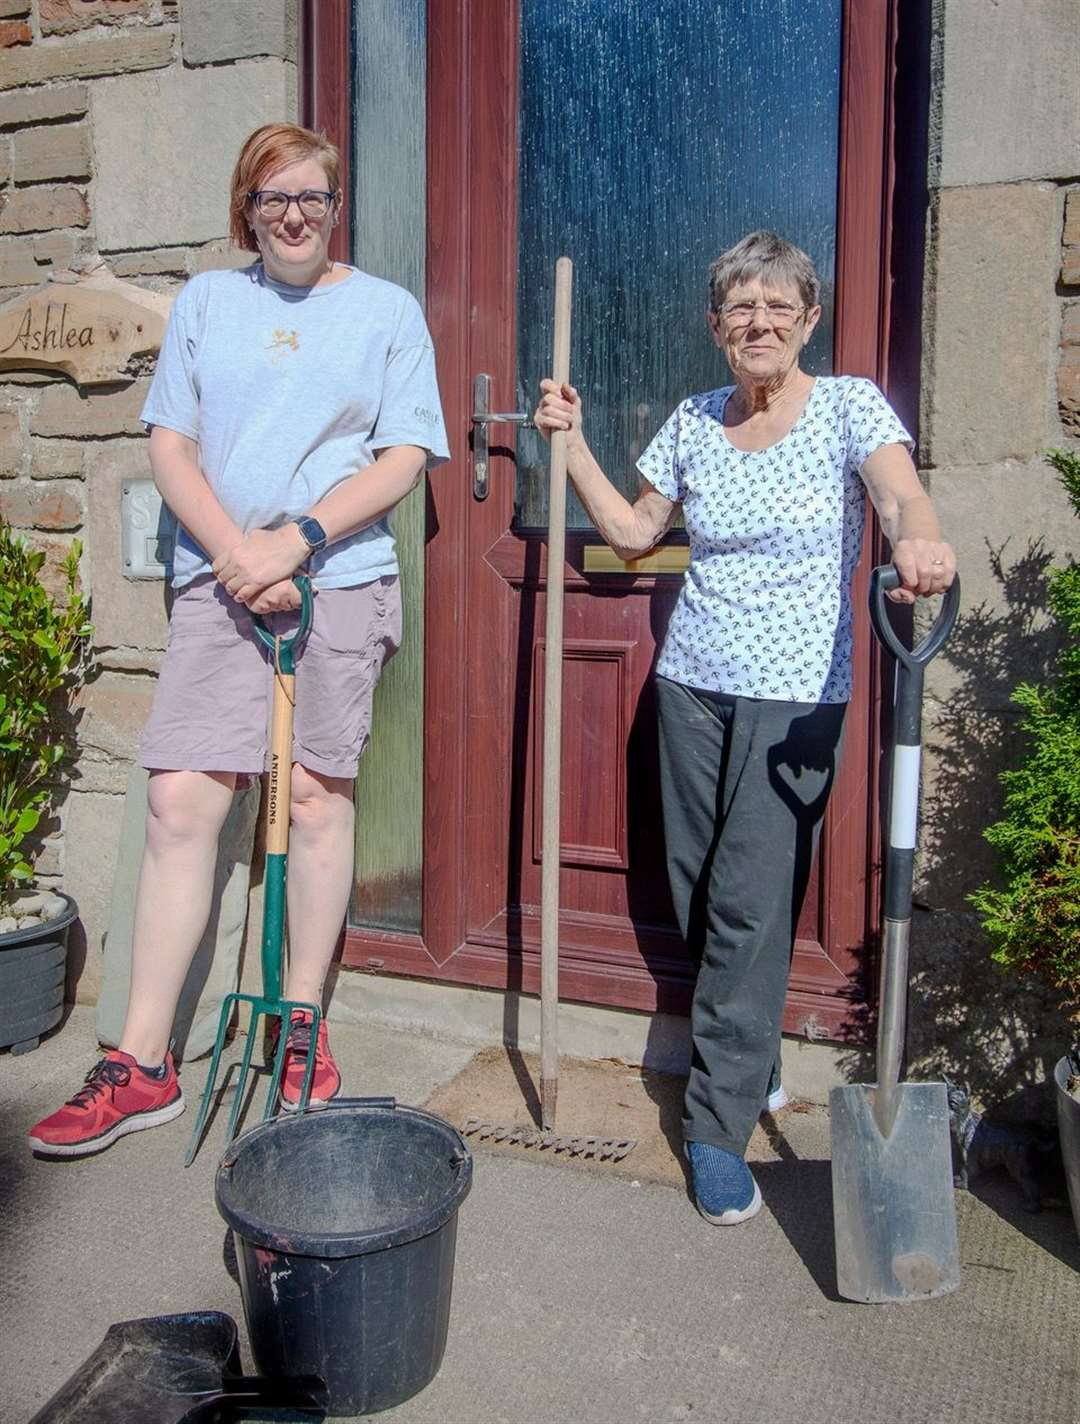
x=1032, y=915
x=43, y=652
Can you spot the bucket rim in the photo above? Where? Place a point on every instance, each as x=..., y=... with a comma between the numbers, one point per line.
x=335, y=1245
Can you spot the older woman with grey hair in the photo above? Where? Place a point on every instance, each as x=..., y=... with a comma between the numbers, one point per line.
x=755, y=671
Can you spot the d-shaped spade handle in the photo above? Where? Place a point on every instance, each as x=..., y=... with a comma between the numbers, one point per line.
x=882, y=581
x=285, y=649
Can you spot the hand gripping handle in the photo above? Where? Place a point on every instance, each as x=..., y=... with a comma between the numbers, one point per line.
x=283, y=648
x=882, y=581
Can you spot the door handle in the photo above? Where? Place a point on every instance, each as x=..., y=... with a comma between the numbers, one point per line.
x=482, y=417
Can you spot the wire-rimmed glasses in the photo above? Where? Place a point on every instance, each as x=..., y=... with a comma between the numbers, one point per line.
x=782, y=315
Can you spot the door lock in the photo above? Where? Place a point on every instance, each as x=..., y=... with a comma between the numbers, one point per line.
x=482, y=417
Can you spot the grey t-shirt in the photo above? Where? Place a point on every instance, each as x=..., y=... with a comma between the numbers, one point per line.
x=289, y=391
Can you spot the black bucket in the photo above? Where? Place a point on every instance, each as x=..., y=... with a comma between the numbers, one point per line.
x=345, y=1222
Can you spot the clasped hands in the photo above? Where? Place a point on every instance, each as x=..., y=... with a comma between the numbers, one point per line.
x=258, y=571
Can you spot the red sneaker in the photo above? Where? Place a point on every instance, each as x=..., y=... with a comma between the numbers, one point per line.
x=118, y=1097
x=325, y=1080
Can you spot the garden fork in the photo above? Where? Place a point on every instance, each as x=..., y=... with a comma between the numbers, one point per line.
x=269, y=1003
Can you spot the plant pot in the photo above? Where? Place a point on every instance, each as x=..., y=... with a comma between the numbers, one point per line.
x=1068, y=1111
x=33, y=963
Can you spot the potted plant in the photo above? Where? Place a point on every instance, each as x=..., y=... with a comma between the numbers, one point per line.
x=1032, y=915
x=43, y=659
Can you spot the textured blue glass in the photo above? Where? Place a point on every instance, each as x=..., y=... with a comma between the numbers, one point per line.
x=654, y=134
x=389, y=176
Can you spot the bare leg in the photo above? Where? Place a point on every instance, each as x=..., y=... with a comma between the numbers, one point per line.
x=320, y=877
x=185, y=813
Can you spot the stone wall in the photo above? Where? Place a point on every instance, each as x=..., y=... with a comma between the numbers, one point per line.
x=120, y=121
x=1000, y=385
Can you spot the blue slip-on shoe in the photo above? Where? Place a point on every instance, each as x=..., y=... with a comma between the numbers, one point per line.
x=724, y=1188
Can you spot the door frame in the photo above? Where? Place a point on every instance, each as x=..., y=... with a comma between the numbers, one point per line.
x=865, y=331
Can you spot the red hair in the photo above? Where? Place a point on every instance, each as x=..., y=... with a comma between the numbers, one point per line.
x=267, y=150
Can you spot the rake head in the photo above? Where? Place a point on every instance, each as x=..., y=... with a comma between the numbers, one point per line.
x=603, y=1149
x=280, y=1010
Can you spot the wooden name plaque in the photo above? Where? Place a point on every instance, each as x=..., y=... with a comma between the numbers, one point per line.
x=89, y=328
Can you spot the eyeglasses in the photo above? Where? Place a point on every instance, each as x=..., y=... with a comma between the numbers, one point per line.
x=312, y=202
x=782, y=314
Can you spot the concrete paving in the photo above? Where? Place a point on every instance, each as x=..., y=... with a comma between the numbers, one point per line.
x=577, y=1296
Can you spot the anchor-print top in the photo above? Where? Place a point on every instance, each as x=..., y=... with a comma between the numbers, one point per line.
x=765, y=608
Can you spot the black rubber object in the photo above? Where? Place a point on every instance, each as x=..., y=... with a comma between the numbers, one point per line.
x=345, y=1223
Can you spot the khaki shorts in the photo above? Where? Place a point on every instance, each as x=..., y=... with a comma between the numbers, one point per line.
x=212, y=706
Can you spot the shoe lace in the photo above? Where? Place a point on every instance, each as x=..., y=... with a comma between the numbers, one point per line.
x=106, y=1076
x=299, y=1040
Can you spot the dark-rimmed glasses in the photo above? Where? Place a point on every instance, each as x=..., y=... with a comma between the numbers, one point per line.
x=782, y=315
x=312, y=202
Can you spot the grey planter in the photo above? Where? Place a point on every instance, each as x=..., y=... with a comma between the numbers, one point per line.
x=33, y=962
x=1068, y=1110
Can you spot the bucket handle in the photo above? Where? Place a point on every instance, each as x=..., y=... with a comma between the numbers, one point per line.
x=389, y=1104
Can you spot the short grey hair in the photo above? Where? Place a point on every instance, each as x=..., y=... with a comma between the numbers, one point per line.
x=764, y=255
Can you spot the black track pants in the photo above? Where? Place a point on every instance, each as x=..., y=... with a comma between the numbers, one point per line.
x=744, y=786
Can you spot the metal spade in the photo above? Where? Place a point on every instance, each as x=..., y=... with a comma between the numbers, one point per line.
x=893, y=1211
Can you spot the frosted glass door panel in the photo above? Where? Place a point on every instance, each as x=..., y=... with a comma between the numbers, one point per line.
x=653, y=134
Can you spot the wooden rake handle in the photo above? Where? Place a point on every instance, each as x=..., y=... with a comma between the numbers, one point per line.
x=552, y=763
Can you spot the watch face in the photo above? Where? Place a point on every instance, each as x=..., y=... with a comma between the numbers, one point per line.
x=312, y=532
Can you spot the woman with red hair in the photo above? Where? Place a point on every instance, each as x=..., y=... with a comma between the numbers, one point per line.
x=294, y=405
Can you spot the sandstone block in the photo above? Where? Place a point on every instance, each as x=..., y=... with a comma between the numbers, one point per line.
x=114, y=707
x=1068, y=376
x=11, y=9
x=63, y=17
x=36, y=106
x=43, y=507
x=51, y=151
x=118, y=54
x=12, y=446
x=172, y=188
x=92, y=823
x=56, y=548
x=25, y=262
x=128, y=613
x=965, y=749
x=990, y=325
x=64, y=410
x=1068, y=388
x=1010, y=103
x=1071, y=229
x=152, y=262
x=129, y=659
x=14, y=32
x=211, y=32
x=44, y=206
x=56, y=459
x=222, y=254
x=50, y=858
x=1070, y=266
x=1008, y=523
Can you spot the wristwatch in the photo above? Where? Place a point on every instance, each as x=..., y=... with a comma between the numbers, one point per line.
x=312, y=532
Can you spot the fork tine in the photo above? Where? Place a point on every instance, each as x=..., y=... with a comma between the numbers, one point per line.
x=211, y=1078
x=270, y=1107
x=241, y=1082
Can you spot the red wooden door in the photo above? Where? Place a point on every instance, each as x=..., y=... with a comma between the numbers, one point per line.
x=486, y=583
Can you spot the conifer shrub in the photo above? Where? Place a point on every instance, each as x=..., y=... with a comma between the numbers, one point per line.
x=1031, y=912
